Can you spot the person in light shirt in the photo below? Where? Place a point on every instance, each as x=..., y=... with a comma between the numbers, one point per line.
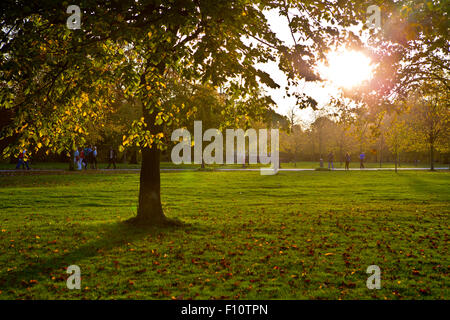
x=77, y=159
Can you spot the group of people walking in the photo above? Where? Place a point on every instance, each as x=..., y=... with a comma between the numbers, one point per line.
x=362, y=158
x=82, y=157
x=85, y=156
x=88, y=155
x=23, y=160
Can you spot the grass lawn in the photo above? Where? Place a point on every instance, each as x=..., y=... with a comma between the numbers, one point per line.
x=296, y=235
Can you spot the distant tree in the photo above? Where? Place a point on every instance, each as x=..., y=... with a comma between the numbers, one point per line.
x=430, y=120
x=398, y=136
x=293, y=142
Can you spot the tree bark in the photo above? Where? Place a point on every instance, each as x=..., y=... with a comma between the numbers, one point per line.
x=133, y=157
x=150, y=209
x=71, y=161
x=432, y=157
x=381, y=151
x=396, y=161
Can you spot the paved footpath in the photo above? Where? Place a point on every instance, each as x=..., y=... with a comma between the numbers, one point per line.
x=337, y=169
x=107, y=171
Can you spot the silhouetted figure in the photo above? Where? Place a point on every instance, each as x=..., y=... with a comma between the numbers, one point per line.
x=77, y=159
x=330, y=160
x=362, y=156
x=83, y=158
x=112, y=158
x=94, y=157
x=23, y=160
x=347, y=161
x=88, y=156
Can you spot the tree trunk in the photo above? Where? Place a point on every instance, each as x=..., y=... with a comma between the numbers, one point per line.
x=133, y=158
x=381, y=157
x=71, y=161
x=381, y=150
x=150, y=209
x=396, y=161
x=432, y=157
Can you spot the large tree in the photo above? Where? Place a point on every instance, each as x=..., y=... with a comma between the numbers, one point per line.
x=54, y=81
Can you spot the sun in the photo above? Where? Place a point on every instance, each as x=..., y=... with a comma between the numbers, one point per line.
x=346, y=68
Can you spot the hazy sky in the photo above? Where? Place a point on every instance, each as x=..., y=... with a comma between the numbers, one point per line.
x=321, y=92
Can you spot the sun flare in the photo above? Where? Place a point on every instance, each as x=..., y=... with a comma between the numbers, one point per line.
x=346, y=69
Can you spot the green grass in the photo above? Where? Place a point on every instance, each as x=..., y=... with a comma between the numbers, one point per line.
x=296, y=235
x=337, y=164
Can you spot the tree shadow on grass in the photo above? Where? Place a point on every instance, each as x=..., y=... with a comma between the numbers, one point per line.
x=112, y=235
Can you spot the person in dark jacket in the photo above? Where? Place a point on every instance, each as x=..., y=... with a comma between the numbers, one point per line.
x=347, y=161
x=111, y=158
x=330, y=160
x=83, y=158
x=23, y=160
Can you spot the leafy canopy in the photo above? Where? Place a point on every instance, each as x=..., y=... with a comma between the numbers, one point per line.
x=55, y=81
